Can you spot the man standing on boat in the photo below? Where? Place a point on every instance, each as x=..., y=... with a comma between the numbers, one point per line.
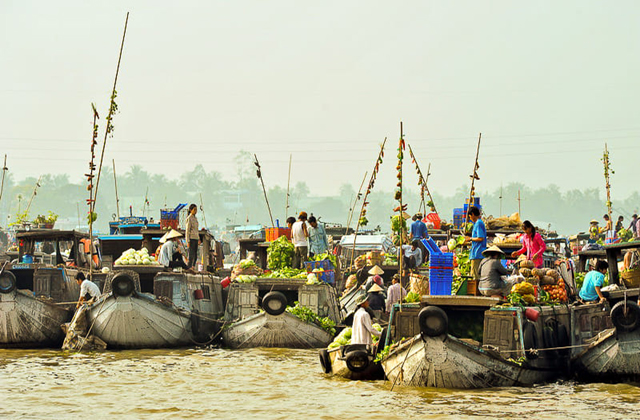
x=299, y=237
x=395, y=293
x=478, y=241
x=87, y=287
x=362, y=326
x=318, y=242
x=192, y=235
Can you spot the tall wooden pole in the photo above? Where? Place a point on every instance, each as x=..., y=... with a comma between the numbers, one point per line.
x=115, y=182
x=264, y=190
x=33, y=195
x=355, y=201
x=474, y=176
x=423, y=181
x=204, y=217
x=519, y=208
x=286, y=208
x=607, y=173
x=400, y=254
x=4, y=171
x=372, y=182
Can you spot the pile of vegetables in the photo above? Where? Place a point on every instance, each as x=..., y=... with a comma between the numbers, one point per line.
x=307, y=315
x=246, y=268
x=412, y=297
x=244, y=278
x=325, y=256
x=280, y=253
x=625, y=235
x=286, y=273
x=522, y=294
x=390, y=259
x=133, y=257
x=557, y=293
x=344, y=338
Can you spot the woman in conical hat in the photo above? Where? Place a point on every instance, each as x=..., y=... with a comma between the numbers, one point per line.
x=375, y=270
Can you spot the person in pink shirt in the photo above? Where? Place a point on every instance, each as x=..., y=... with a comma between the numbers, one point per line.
x=532, y=244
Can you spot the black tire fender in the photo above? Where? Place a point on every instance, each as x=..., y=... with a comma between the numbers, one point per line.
x=274, y=303
x=625, y=322
x=550, y=337
x=8, y=282
x=530, y=339
x=122, y=285
x=433, y=321
x=325, y=360
x=195, y=322
x=357, y=360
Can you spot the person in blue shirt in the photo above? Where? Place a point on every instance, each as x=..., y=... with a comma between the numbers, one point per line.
x=593, y=282
x=418, y=228
x=478, y=241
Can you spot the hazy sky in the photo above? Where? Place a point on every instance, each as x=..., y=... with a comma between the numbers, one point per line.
x=546, y=82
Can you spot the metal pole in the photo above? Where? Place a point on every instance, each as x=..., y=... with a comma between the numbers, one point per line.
x=355, y=201
x=286, y=208
x=264, y=190
x=4, y=171
x=400, y=255
x=204, y=218
x=474, y=176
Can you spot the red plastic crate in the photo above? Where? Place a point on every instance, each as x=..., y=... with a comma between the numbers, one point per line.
x=274, y=233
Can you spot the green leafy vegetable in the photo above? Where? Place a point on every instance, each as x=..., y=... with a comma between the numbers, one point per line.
x=280, y=253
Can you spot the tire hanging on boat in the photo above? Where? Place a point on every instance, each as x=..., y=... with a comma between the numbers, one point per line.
x=122, y=285
x=325, y=360
x=357, y=360
x=195, y=322
x=274, y=303
x=7, y=282
x=433, y=321
x=625, y=319
x=550, y=337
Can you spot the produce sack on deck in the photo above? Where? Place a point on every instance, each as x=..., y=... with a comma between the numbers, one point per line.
x=419, y=284
x=76, y=332
x=246, y=268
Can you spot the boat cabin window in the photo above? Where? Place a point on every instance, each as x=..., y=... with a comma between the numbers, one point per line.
x=206, y=292
x=146, y=282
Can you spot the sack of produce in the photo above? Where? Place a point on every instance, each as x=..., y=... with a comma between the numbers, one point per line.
x=526, y=272
x=553, y=273
x=527, y=264
x=524, y=288
x=419, y=284
x=548, y=280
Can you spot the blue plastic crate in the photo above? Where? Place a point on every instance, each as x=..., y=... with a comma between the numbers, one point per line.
x=431, y=246
x=328, y=277
x=324, y=264
x=439, y=288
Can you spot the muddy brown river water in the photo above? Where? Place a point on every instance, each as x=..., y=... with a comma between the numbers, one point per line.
x=265, y=384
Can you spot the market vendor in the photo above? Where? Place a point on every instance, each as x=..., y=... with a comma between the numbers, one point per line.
x=87, y=288
x=478, y=241
x=318, y=242
x=362, y=325
x=171, y=254
x=532, y=244
x=419, y=228
x=493, y=275
x=376, y=299
x=299, y=237
x=412, y=255
x=594, y=231
x=396, y=293
x=593, y=282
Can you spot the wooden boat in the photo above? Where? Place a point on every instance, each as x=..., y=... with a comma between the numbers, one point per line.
x=447, y=352
x=354, y=361
x=182, y=310
x=36, y=298
x=249, y=327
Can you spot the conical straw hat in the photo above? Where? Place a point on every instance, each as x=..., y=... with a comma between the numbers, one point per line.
x=376, y=270
x=173, y=234
x=375, y=288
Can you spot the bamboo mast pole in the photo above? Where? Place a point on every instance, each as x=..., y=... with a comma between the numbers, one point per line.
x=355, y=201
x=423, y=181
x=4, y=171
x=363, y=210
x=33, y=195
x=474, y=176
x=113, y=107
x=607, y=179
x=264, y=190
x=90, y=176
x=286, y=207
x=400, y=207
x=115, y=181
x=204, y=217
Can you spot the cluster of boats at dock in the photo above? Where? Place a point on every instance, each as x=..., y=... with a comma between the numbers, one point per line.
x=441, y=341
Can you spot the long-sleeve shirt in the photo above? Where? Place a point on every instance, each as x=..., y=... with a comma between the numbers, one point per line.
x=409, y=251
x=191, y=231
x=395, y=294
x=318, y=242
x=531, y=247
x=166, y=252
x=491, y=270
x=362, y=328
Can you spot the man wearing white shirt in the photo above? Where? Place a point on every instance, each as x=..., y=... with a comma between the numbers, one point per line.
x=86, y=287
x=362, y=326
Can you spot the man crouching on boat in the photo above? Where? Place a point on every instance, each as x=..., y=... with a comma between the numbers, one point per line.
x=87, y=287
x=362, y=326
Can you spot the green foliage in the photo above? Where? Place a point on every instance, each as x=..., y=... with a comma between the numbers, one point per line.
x=286, y=273
x=307, y=315
x=280, y=254
x=326, y=256
x=412, y=297
x=398, y=224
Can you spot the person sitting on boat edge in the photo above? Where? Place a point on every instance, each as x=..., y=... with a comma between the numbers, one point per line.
x=362, y=325
x=170, y=253
x=593, y=282
x=412, y=255
x=396, y=293
x=87, y=287
x=493, y=281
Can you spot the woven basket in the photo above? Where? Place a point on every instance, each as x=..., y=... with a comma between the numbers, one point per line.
x=631, y=278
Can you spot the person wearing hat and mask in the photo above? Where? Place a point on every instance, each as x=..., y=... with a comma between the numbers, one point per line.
x=362, y=325
x=299, y=237
x=171, y=255
x=395, y=293
x=376, y=298
x=594, y=231
x=374, y=278
x=492, y=283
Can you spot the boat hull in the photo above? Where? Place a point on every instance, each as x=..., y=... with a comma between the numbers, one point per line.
x=446, y=362
x=612, y=356
x=137, y=322
x=339, y=367
x=283, y=331
x=27, y=322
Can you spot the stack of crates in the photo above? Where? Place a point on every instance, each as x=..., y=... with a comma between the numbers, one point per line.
x=476, y=203
x=170, y=218
x=458, y=218
x=328, y=275
x=440, y=269
x=274, y=233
